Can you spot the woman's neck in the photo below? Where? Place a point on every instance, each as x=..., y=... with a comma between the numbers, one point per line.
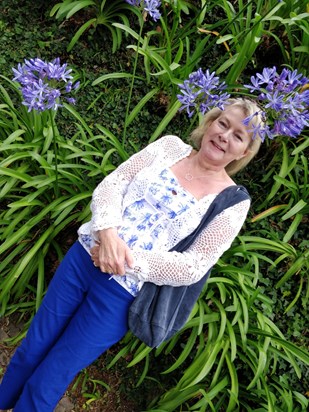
x=198, y=167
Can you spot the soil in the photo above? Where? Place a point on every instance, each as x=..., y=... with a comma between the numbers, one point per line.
x=82, y=392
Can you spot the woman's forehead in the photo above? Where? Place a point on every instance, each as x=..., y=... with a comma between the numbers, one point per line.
x=233, y=111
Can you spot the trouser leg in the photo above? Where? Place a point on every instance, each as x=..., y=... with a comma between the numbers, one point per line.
x=99, y=322
x=64, y=295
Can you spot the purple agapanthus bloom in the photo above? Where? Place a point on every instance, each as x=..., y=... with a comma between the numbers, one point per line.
x=151, y=7
x=44, y=83
x=134, y=2
x=283, y=100
x=201, y=92
x=267, y=75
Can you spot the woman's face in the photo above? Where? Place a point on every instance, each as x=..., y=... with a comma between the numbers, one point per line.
x=226, y=138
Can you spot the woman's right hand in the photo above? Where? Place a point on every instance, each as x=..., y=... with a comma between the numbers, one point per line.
x=112, y=253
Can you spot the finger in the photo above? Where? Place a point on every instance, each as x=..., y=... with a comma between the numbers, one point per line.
x=118, y=265
x=104, y=267
x=106, y=270
x=129, y=258
x=94, y=250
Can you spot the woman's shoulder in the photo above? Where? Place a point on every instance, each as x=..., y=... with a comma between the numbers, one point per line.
x=172, y=142
x=172, y=138
x=168, y=148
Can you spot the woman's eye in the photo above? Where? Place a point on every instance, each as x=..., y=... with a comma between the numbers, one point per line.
x=239, y=137
x=222, y=123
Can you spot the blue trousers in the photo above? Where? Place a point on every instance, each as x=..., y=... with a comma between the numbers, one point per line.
x=81, y=316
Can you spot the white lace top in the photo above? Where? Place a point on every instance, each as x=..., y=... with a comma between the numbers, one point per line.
x=153, y=212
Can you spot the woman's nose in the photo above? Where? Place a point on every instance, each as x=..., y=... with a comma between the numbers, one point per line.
x=224, y=136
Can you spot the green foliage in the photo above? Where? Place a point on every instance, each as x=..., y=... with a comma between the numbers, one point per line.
x=96, y=385
x=246, y=27
x=161, y=61
x=172, y=51
x=230, y=352
x=105, y=13
x=244, y=347
x=292, y=20
x=31, y=216
x=290, y=196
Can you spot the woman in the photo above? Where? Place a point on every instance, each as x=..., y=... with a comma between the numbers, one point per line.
x=139, y=212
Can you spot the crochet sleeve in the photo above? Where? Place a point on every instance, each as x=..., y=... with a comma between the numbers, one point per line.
x=107, y=198
x=177, y=269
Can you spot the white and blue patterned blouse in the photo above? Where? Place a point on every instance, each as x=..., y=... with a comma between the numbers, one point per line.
x=146, y=219
x=152, y=212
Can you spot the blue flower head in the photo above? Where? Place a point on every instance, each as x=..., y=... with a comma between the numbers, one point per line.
x=284, y=102
x=201, y=92
x=44, y=83
x=150, y=7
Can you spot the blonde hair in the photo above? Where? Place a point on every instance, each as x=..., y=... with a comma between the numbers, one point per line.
x=249, y=107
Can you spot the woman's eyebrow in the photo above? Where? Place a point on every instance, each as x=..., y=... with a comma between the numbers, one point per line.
x=224, y=117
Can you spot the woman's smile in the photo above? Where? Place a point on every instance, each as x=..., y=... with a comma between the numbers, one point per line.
x=217, y=146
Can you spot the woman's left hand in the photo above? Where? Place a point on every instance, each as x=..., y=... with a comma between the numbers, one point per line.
x=95, y=257
x=111, y=255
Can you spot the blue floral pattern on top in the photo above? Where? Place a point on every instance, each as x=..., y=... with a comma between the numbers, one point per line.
x=146, y=219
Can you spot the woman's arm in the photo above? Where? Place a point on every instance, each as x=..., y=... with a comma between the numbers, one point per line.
x=107, y=204
x=176, y=269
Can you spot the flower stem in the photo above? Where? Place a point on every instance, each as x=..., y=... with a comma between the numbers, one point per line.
x=131, y=86
x=52, y=121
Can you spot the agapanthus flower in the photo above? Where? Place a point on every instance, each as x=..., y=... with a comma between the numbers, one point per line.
x=201, y=92
x=284, y=102
x=150, y=7
x=43, y=84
